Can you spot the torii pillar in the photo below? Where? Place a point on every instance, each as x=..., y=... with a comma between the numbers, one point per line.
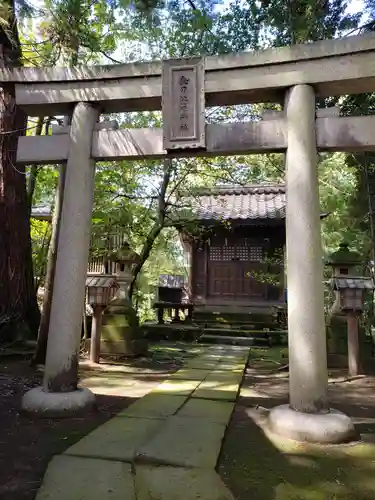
x=59, y=395
x=307, y=417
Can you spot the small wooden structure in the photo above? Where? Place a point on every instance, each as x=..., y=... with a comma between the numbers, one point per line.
x=171, y=296
x=235, y=247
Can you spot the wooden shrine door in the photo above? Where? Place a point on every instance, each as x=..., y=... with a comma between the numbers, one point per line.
x=235, y=271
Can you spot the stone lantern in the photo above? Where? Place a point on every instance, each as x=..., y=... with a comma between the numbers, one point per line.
x=343, y=263
x=125, y=259
x=351, y=293
x=121, y=333
x=99, y=292
x=342, y=322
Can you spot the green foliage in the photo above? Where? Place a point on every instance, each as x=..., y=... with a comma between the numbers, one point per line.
x=127, y=194
x=40, y=237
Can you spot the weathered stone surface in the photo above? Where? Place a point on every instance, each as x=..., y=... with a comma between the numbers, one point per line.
x=117, y=439
x=177, y=387
x=300, y=52
x=169, y=483
x=333, y=67
x=40, y=403
x=184, y=442
x=114, y=320
x=354, y=134
x=231, y=366
x=74, y=478
x=218, y=390
x=220, y=385
x=201, y=364
x=324, y=428
x=60, y=373
x=225, y=375
x=115, y=332
x=212, y=411
x=183, y=104
x=125, y=347
x=190, y=374
x=154, y=405
x=306, y=323
x=230, y=353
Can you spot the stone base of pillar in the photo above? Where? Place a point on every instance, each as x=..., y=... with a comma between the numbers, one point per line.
x=57, y=404
x=323, y=428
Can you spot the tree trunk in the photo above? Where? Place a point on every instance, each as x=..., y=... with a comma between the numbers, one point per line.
x=34, y=170
x=19, y=312
x=158, y=226
x=41, y=348
x=144, y=255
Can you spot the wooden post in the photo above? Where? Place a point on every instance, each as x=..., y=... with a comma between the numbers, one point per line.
x=354, y=365
x=160, y=315
x=95, y=334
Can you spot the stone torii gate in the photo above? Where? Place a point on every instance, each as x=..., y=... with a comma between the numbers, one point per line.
x=293, y=75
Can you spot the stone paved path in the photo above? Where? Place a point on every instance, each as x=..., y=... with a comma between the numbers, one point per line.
x=163, y=447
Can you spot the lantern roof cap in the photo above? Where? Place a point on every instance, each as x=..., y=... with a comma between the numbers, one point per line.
x=357, y=282
x=344, y=256
x=124, y=254
x=101, y=281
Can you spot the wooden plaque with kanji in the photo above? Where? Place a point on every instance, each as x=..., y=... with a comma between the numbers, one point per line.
x=183, y=104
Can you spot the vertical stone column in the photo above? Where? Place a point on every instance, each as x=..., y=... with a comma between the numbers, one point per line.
x=306, y=324
x=59, y=393
x=307, y=417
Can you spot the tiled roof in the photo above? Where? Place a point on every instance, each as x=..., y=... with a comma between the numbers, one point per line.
x=245, y=202
x=356, y=282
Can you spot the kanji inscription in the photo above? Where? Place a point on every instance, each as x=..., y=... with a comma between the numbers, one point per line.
x=183, y=104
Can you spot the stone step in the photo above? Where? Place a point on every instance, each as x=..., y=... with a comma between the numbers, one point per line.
x=234, y=318
x=226, y=339
x=248, y=332
x=238, y=321
x=244, y=325
x=154, y=332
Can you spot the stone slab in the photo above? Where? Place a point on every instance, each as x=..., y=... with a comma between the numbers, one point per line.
x=291, y=54
x=154, y=405
x=207, y=356
x=232, y=367
x=213, y=411
x=74, y=478
x=330, y=70
x=169, y=483
x=117, y=439
x=217, y=390
x=225, y=376
x=231, y=353
x=201, y=364
x=177, y=387
x=190, y=374
x=183, y=442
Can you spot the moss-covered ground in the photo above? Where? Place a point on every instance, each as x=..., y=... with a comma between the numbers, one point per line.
x=256, y=465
